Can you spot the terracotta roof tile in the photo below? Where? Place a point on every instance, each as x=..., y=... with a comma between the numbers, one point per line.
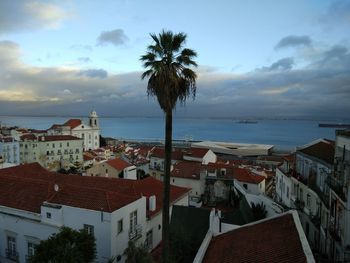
x=274, y=240
x=72, y=123
x=27, y=186
x=119, y=164
x=187, y=169
x=245, y=175
x=196, y=152
x=160, y=153
x=321, y=150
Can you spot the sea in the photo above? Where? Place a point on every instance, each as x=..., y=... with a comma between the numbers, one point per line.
x=283, y=134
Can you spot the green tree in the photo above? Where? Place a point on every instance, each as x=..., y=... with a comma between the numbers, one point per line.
x=170, y=79
x=68, y=246
x=136, y=254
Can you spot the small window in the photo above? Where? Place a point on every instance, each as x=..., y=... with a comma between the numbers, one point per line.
x=173, y=180
x=245, y=186
x=89, y=229
x=120, y=226
x=48, y=215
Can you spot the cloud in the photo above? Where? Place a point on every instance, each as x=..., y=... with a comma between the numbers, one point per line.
x=21, y=15
x=294, y=41
x=320, y=90
x=116, y=37
x=94, y=73
x=337, y=14
x=280, y=65
x=84, y=59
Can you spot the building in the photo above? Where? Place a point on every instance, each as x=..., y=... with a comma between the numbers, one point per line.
x=35, y=203
x=301, y=183
x=201, y=155
x=339, y=184
x=9, y=150
x=51, y=151
x=237, y=149
x=277, y=239
x=116, y=168
x=190, y=175
x=89, y=133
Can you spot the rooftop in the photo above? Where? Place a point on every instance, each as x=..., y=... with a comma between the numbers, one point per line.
x=27, y=186
x=321, y=149
x=272, y=240
x=160, y=153
x=72, y=123
x=119, y=164
x=187, y=169
x=196, y=152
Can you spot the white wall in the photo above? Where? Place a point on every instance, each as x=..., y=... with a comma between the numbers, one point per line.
x=197, y=186
x=283, y=188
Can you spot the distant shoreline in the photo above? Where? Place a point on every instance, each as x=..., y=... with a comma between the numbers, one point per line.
x=184, y=117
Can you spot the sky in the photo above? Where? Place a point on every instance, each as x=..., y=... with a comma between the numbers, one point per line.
x=256, y=59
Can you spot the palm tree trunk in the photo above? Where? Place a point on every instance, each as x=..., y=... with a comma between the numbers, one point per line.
x=166, y=197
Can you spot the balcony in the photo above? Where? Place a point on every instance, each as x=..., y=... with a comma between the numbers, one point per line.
x=12, y=255
x=135, y=233
x=334, y=230
x=336, y=186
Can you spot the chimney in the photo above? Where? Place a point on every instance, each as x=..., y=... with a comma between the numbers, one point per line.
x=152, y=203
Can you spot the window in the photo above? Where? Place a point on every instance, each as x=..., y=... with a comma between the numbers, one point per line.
x=133, y=221
x=53, y=145
x=31, y=249
x=149, y=240
x=245, y=186
x=11, y=251
x=60, y=145
x=48, y=215
x=120, y=226
x=67, y=144
x=89, y=229
x=287, y=192
x=308, y=200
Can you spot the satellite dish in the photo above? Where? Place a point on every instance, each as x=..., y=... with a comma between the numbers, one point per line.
x=56, y=187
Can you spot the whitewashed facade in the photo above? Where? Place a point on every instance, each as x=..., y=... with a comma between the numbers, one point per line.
x=9, y=150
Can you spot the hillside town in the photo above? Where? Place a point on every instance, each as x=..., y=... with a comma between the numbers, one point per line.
x=238, y=201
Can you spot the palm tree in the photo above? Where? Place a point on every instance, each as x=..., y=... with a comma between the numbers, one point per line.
x=171, y=80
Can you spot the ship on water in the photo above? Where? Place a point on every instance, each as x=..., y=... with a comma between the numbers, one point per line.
x=334, y=125
x=247, y=122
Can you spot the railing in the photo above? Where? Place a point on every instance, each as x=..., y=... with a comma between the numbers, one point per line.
x=136, y=233
x=11, y=254
x=334, y=231
x=336, y=186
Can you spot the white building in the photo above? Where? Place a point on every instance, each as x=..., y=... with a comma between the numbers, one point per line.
x=89, y=133
x=201, y=155
x=302, y=185
x=113, y=210
x=51, y=151
x=9, y=150
x=339, y=183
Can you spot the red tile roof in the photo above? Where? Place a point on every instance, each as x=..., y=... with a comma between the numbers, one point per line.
x=323, y=150
x=160, y=153
x=187, y=169
x=119, y=164
x=245, y=175
x=196, y=152
x=27, y=186
x=30, y=137
x=72, y=123
x=274, y=240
